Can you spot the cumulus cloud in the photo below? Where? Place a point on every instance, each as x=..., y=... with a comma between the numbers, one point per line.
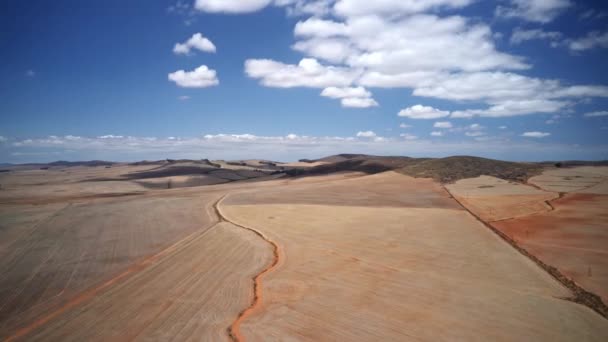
x=507, y=94
x=350, y=8
x=535, y=134
x=408, y=136
x=436, y=134
x=592, y=40
x=231, y=6
x=340, y=93
x=183, y=97
x=421, y=42
x=307, y=73
x=366, y=134
x=520, y=35
x=358, y=102
x=198, y=42
x=405, y=126
x=355, y=97
x=200, y=77
x=443, y=124
x=422, y=112
x=540, y=11
x=406, y=44
x=596, y=114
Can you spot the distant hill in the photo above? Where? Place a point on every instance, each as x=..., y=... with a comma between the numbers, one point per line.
x=441, y=169
x=351, y=162
x=92, y=163
x=451, y=169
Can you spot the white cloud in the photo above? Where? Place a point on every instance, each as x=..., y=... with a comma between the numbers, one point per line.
x=475, y=134
x=592, y=40
x=308, y=73
x=502, y=127
x=475, y=127
x=183, y=97
x=520, y=35
x=358, y=102
x=405, y=44
x=197, y=41
x=405, y=126
x=592, y=14
x=596, y=114
x=109, y=136
x=306, y=7
x=242, y=146
x=436, y=134
x=535, y=134
x=418, y=43
x=507, y=94
x=30, y=73
x=408, y=136
x=231, y=6
x=351, y=8
x=200, y=77
x=366, y=134
x=354, y=97
x=3, y=139
x=316, y=27
x=340, y=93
x=540, y=11
x=422, y=112
x=443, y=124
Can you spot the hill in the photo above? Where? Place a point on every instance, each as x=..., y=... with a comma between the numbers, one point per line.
x=445, y=170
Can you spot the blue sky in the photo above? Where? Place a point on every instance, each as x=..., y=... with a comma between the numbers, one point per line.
x=290, y=79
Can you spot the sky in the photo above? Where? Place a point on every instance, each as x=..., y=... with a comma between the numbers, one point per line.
x=291, y=79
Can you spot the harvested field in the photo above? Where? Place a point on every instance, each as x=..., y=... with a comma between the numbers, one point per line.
x=192, y=293
x=588, y=179
x=360, y=257
x=495, y=199
x=342, y=268
x=51, y=253
x=385, y=189
x=573, y=238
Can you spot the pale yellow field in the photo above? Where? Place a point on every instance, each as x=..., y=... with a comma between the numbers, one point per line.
x=400, y=274
x=191, y=293
x=495, y=199
x=584, y=179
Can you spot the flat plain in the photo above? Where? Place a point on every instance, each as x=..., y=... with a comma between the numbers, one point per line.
x=150, y=251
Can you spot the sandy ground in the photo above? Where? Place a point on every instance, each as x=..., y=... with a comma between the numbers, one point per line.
x=400, y=274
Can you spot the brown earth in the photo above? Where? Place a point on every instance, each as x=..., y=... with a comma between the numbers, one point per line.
x=573, y=238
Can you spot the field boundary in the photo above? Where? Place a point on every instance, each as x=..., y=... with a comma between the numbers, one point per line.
x=581, y=296
x=233, y=330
